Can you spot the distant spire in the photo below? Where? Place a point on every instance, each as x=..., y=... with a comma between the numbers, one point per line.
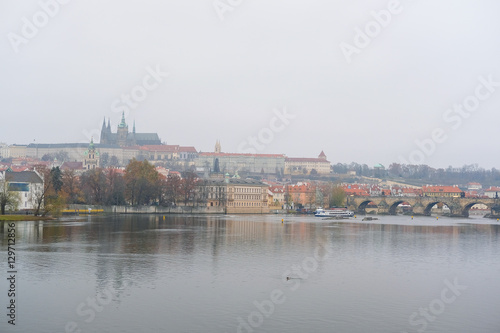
x=104, y=124
x=134, y=127
x=122, y=123
x=109, y=125
x=217, y=146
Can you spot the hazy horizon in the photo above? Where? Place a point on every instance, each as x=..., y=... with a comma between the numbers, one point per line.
x=363, y=81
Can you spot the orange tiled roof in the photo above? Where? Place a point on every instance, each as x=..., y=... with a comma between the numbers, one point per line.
x=188, y=149
x=441, y=189
x=305, y=159
x=355, y=191
x=493, y=189
x=241, y=154
x=166, y=148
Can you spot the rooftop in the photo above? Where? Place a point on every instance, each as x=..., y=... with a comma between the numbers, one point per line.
x=23, y=177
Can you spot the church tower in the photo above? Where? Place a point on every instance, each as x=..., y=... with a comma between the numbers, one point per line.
x=106, y=137
x=122, y=132
x=91, y=160
x=217, y=147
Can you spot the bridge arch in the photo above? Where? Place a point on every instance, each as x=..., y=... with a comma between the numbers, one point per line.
x=466, y=208
x=361, y=209
x=428, y=208
x=394, y=206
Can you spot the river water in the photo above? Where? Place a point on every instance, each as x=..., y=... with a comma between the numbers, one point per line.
x=229, y=274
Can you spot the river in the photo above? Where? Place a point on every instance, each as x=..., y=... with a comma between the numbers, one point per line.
x=253, y=273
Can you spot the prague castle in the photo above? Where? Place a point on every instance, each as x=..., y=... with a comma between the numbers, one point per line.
x=123, y=146
x=124, y=138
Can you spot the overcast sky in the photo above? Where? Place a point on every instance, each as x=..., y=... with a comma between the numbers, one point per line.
x=234, y=65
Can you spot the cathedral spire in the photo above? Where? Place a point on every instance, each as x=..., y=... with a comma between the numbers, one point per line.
x=123, y=123
x=104, y=131
x=133, y=130
x=109, y=126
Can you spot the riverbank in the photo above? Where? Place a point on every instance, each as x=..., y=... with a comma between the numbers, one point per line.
x=24, y=218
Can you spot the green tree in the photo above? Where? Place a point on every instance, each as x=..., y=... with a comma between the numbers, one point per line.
x=216, y=166
x=142, y=184
x=47, y=157
x=337, y=198
x=8, y=199
x=113, y=161
x=56, y=175
x=104, y=160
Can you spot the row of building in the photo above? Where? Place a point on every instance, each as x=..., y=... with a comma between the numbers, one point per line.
x=120, y=147
x=88, y=156
x=235, y=195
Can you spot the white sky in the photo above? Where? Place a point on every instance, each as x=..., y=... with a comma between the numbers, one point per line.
x=227, y=76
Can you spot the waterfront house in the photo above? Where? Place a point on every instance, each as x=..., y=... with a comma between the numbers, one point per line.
x=27, y=184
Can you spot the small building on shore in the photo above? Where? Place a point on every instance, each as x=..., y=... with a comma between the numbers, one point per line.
x=28, y=185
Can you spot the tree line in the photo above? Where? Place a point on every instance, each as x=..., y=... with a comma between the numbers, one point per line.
x=139, y=184
x=424, y=174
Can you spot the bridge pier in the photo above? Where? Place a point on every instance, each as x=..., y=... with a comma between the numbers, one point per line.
x=419, y=209
x=495, y=211
x=383, y=208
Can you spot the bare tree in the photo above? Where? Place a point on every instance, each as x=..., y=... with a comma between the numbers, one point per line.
x=40, y=193
x=71, y=186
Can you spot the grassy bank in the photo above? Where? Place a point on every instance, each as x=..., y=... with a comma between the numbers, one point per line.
x=24, y=218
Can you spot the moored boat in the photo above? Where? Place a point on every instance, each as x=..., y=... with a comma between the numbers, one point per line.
x=335, y=212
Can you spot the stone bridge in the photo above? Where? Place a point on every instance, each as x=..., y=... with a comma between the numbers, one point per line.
x=421, y=205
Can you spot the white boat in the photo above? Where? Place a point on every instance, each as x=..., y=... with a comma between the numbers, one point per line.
x=336, y=212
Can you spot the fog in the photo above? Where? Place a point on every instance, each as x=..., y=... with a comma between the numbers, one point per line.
x=365, y=81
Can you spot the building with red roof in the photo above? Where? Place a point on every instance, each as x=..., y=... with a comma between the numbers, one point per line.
x=492, y=192
x=302, y=193
x=441, y=191
x=474, y=186
x=237, y=162
x=304, y=165
x=168, y=152
x=276, y=195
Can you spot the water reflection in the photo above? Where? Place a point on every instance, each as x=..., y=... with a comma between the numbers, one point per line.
x=164, y=269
